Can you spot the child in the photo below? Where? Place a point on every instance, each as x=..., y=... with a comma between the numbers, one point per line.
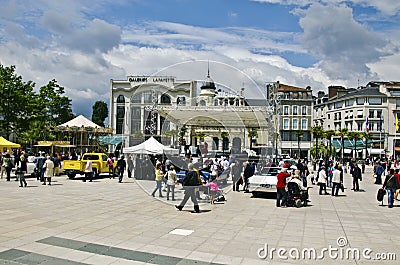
x=311, y=177
x=213, y=189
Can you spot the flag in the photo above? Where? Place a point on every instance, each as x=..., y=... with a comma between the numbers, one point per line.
x=397, y=123
x=380, y=123
x=366, y=125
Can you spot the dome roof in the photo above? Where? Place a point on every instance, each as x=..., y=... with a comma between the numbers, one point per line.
x=208, y=83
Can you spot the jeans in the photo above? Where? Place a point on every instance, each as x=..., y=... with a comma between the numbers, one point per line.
x=172, y=189
x=22, y=180
x=281, y=195
x=390, y=193
x=158, y=187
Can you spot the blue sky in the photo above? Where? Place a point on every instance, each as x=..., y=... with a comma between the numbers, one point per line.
x=84, y=44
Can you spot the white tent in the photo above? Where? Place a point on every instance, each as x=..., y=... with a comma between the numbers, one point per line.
x=150, y=146
x=80, y=121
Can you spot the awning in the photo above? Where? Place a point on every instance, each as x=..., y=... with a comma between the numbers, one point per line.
x=65, y=145
x=376, y=151
x=110, y=139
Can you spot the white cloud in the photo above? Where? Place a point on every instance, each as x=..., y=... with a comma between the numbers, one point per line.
x=388, y=7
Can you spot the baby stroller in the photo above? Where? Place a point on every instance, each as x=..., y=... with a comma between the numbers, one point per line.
x=296, y=196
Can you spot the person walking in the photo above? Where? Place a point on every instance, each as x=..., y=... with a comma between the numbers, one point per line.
x=21, y=171
x=247, y=173
x=8, y=166
x=190, y=183
x=130, y=166
x=110, y=164
x=379, y=170
x=171, y=181
x=390, y=184
x=357, y=175
x=236, y=170
x=281, y=188
x=336, y=182
x=88, y=170
x=48, y=170
x=322, y=179
x=159, y=177
x=121, y=166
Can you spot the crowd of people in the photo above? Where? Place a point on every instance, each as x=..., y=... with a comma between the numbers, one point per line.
x=326, y=174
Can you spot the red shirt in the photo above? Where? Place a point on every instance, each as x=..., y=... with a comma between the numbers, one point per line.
x=398, y=178
x=282, y=179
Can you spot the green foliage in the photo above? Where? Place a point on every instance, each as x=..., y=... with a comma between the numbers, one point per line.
x=27, y=114
x=100, y=113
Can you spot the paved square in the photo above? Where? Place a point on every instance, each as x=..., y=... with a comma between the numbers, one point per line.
x=106, y=222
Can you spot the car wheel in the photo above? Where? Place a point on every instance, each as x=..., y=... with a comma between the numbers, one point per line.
x=71, y=175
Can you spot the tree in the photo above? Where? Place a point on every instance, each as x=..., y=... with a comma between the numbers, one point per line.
x=225, y=141
x=328, y=135
x=342, y=133
x=100, y=113
x=355, y=136
x=367, y=136
x=252, y=134
x=56, y=107
x=317, y=133
x=299, y=134
x=17, y=102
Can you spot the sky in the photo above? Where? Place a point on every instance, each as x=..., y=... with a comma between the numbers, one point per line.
x=245, y=43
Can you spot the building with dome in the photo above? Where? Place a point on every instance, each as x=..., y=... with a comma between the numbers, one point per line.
x=196, y=113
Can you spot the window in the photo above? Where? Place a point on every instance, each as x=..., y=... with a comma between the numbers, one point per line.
x=295, y=124
x=329, y=116
x=202, y=102
x=379, y=113
x=286, y=136
x=181, y=101
x=371, y=113
x=285, y=110
x=338, y=105
x=304, y=124
x=304, y=110
x=295, y=112
x=137, y=98
x=360, y=101
x=136, y=117
x=147, y=97
x=339, y=115
x=349, y=102
x=120, y=99
x=330, y=106
x=359, y=126
x=120, y=119
x=359, y=113
x=165, y=99
x=286, y=124
x=375, y=101
x=335, y=117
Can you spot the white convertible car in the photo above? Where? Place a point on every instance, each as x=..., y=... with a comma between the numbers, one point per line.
x=264, y=180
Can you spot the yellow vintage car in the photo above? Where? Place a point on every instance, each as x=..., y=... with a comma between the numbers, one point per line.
x=99, y=165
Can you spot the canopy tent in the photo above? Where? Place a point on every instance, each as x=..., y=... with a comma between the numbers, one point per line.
x=80, y=121
x=150, y=146
x=5, y=144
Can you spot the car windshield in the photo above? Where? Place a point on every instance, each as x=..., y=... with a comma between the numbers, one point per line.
x=269, y=171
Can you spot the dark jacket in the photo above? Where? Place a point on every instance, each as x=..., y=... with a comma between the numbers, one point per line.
x=357, y=173
x=191, y=179
x=390, y=182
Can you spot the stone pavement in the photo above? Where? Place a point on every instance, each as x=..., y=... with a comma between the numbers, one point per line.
x=106, y=222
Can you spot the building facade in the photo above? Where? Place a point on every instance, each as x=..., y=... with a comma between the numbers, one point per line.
x=213, y=117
